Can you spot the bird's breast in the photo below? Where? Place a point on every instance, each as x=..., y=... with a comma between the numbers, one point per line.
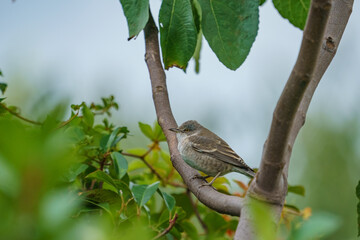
x=200, y=161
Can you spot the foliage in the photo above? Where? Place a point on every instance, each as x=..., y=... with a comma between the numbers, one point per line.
x=73, y=179
x=329, y=172
x=293, y=10
x=358, y=206
x=229, y=26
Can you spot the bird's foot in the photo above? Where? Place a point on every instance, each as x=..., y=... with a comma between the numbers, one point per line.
x=208, y=184
x=199, y=177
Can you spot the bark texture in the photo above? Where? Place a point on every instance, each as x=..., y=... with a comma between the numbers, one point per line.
x=324, y=28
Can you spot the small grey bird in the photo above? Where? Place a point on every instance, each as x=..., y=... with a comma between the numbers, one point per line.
x=205, y=151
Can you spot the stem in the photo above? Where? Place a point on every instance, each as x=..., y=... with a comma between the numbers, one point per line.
x=171, y=225
x=153, y=170
x=19, y=116
x=68, y=121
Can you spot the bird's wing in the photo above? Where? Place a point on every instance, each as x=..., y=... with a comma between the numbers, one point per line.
x=219, y=149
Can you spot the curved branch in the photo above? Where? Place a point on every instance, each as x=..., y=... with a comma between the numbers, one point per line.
x=19, y=116
x=207, y=195
x=326, y=23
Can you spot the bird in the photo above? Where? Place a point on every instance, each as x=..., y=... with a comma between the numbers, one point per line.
x=203, y=150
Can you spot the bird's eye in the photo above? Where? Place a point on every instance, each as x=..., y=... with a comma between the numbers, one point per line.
x=186, y=130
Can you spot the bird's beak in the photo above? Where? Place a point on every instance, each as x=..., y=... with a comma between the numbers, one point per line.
x=176, y=130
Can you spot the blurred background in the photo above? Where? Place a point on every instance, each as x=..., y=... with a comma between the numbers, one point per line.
x=78, y=50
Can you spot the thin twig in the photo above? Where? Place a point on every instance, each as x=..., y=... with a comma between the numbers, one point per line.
x=171, y=225
x=152, y=169
x=68, y=121
x=19, y=116
x=196, y=211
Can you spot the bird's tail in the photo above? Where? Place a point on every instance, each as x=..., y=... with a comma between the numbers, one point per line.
x=247, y=171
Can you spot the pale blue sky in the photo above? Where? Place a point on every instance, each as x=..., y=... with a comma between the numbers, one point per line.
x=79, y=49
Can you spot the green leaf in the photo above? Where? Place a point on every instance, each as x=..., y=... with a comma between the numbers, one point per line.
x=103, y=177
x=190, y=230
x=318, y=226
x=124, y=189
x=10, y=181
x=143, y=193
x=262, y=2
x=230, y=27
x=2, y=99
x=214, y=222
x=299, y=190
x=146, y=130
x=158, y=133
x=104, y=206
x=56, y=208
x=120, y=164
x=168, y=199
x=88, y=116
x=137, y=15
x=292, y=207
x=112, y=137
x=74, y=171
x=177, y=33
x=1, y=74
x=358, y=206
x=263, y=220
x=103, y=196
x=294, y=10
x=3, y=87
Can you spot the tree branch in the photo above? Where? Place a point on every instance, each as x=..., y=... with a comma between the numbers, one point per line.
x=19, y=116
x=207, y=195
x=325, y=25
x=152, y=169
x=171, y=225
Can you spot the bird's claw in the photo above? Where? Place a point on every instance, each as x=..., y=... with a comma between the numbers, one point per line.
x=204, y=185
x=199, y=177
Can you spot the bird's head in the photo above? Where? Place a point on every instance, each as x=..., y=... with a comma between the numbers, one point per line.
x=188, y=127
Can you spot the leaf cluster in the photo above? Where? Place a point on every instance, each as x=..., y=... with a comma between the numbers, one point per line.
x=229, y=27
x=72, y=178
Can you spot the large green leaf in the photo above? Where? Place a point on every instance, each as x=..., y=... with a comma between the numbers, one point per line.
x=143, y=193
x=177, y=33
x=56, y=208
x=295, y=11
x=230, y=27
x=263, y=221
x=190, y=230
x=120, y=164
x=318, y=226
x=137, y=15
